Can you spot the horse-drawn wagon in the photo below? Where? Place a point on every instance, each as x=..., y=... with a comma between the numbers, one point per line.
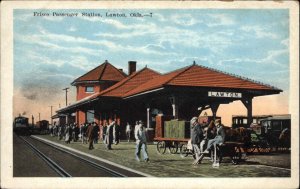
x=269, y=135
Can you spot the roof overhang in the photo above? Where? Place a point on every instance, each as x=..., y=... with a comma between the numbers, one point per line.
x=143, y=93
x=87, y=82
x=72, y=107
x=193, y=92
x=58, y=115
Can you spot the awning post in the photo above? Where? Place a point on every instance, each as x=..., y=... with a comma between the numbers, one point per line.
x=148, y=117
x=248, y=104
x=214, y=109
x=174, y=102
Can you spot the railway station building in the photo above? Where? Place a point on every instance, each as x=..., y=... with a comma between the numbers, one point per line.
x=106, y=93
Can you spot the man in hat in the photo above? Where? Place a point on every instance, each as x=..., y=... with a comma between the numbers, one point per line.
x=141, y=142
x=220, y=136
x=196, y=137
x=89, y=134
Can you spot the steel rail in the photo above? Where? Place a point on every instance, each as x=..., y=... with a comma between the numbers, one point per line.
x=93, y=164
x=58, y=169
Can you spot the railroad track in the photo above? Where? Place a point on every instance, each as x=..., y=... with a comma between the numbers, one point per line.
x=87, y=164
x=58, y=169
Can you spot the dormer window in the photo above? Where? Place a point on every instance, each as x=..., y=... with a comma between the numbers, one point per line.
x=89, y=89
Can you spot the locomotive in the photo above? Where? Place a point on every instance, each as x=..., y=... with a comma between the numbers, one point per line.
x=21, y=126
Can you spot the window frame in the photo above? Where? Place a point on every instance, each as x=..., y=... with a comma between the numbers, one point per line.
x=86, y=89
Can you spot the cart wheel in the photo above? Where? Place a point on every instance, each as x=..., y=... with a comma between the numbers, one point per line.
x=173, y=148
x=161, y=147
x=184, y=152
x=264, y=148
x=236, y=156
x=250, y=149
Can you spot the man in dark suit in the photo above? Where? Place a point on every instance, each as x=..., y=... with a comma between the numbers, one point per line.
x=89, y=134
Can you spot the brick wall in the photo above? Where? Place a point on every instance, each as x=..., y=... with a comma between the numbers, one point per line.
x=80, y=117
x=81, y=91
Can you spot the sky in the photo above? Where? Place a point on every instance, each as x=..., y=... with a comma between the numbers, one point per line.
x=51, y=51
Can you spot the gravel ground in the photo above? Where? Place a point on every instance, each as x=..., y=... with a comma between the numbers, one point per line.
x=276, y=159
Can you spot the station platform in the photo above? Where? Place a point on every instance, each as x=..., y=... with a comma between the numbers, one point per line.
x=173, y=165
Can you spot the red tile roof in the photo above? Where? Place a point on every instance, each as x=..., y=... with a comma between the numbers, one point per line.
x=199, y=76
x=192, y=76
x=155, y=83
x=104, y=72
x=129, y=83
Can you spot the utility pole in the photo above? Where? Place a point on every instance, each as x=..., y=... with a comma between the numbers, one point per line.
x=66, y=89
x=51, y=114
x=32, y=119
x=39, y=116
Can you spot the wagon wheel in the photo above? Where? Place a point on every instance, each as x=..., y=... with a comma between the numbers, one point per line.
x=184, y=151
x=161, y=147
x=250, y=149
x=267, y=149
x=236, y=155
x=264, y=148
x=173, y=148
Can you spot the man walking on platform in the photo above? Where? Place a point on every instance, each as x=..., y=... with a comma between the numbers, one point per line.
x=89, y=134
x=141, y=142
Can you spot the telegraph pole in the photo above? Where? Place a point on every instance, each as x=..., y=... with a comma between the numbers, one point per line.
x=32, y=119
x=51, y=114
x=39, y=116
x=66, y=89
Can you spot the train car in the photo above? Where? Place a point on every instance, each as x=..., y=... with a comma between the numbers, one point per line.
x=42, y=126
x=21, y=125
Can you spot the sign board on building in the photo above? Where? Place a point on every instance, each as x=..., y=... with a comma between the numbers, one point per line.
x=224, y=94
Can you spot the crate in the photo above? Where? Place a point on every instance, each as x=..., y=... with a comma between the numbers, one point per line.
x=177, y=129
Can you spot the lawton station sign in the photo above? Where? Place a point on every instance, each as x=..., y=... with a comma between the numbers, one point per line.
x=224, y=94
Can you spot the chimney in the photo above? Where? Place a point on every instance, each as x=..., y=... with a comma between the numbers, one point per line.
x=131, y=67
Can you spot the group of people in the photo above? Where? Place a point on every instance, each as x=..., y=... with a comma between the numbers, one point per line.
x=67, y=132
x=89, y=133
x=203, y=136
x=207, y=135
x=111, y=134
